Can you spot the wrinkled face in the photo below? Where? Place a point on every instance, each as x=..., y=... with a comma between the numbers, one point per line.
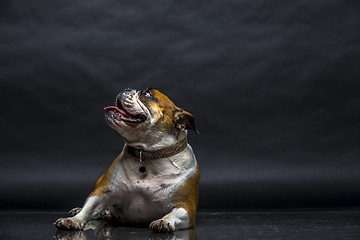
x=148, y=119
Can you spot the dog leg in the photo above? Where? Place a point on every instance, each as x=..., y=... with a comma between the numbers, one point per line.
x=75, y=211
x=176, y=220
x=105, y=215
x=91, y=209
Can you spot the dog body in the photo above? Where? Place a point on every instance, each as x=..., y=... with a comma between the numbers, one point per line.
x=155, y=178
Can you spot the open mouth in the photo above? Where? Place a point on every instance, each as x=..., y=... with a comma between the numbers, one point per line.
x=119, y=113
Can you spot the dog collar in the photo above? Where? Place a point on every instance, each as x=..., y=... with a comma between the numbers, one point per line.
x=162, y=153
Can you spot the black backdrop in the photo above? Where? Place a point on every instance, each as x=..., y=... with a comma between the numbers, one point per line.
x=273, y=85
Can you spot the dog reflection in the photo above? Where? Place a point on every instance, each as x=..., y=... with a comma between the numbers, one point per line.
x=100, y=229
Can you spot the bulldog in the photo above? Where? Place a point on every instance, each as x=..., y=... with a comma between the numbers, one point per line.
x=155, y=178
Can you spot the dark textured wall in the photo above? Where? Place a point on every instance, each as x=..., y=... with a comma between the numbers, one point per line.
x=274, y=87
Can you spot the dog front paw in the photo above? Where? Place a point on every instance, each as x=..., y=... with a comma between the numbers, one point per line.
x=75, y=211
x=161, y=225
x=70, y=223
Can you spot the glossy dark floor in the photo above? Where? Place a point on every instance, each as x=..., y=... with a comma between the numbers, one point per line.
x=239, y=225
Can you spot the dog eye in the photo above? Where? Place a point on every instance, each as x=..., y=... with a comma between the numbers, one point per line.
x=148, y=94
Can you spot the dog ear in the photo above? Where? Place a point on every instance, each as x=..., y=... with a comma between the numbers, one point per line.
x=185, y=120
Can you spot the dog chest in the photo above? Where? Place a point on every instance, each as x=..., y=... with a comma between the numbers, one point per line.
x=139, y=199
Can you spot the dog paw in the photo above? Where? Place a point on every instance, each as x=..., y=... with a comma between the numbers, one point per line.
x=70, y=223
x=75, y=211
x=161, y=225
x=106, y=215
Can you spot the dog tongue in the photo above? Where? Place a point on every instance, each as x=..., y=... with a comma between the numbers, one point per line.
x=116, y=109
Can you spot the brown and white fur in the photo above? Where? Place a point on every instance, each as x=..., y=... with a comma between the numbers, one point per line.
x=166, y=195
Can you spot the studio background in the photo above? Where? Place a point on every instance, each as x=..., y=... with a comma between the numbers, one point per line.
x=273, y=85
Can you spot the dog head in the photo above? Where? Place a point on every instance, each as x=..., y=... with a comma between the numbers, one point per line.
x=147, y=119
